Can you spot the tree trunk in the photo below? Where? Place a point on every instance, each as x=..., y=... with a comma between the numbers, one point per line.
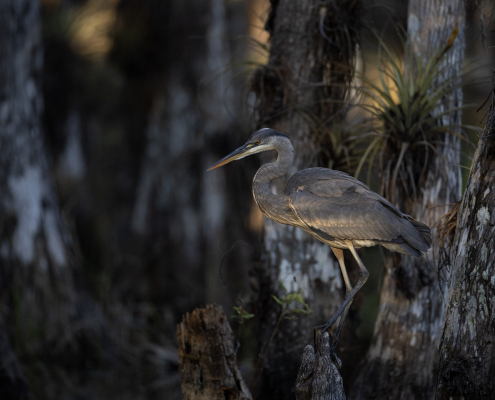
x=302, y=87
x=207, y=357
x=467, y=349
x=402, y=360
x=40, y=300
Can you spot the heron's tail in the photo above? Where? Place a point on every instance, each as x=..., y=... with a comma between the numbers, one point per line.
x=414, y=240
x=424, y=230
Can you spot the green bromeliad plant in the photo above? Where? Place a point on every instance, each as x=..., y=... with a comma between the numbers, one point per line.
x=408, y=106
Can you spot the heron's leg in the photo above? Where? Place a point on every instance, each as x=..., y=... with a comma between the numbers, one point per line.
x=363, y=276
x=339, y=253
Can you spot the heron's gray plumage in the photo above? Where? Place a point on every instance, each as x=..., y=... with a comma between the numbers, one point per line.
x=334, y=207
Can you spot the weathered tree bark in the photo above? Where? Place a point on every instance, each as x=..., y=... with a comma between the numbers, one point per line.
x=299, y=91
x=40, y=300
x=402, y=360
x=207, y=357
x=319, y=375
x=467, y=348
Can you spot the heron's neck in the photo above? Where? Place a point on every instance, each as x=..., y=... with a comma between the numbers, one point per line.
x=267, y=201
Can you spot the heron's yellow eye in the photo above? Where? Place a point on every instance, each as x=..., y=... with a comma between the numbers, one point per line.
x=258, y=142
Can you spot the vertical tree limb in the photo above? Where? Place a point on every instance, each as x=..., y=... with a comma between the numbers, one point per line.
x=42, y=303
x=467, y=349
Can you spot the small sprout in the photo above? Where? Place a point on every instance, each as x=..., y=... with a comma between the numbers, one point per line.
x=288, y=303
x=241, y=315
x=278, y=300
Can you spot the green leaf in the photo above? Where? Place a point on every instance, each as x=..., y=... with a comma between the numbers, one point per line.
x=278, y=300
x=374, y=143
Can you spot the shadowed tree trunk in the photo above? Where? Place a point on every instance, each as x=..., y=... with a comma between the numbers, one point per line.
x=180, y=212
x=467, y=349
x=40, y=302
x=298, y=92
x=402, y=360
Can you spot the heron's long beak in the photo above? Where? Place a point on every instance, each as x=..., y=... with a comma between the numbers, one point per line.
x=241, y=152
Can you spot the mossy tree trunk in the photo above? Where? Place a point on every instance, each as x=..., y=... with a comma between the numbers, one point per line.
x=403, y=357
x=298, y=93
x=467, y=348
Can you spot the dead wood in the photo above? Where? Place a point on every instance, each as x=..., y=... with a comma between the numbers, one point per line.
x=207, y=357
x=319, y=375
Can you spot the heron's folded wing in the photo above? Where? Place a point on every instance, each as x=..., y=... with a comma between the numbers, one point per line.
x=354, y=216
x=323, y=182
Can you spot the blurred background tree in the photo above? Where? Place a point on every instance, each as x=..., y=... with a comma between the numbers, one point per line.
x=114, y=112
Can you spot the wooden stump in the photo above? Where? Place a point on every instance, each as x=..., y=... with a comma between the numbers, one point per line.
x=319, y=374
x=207, y=357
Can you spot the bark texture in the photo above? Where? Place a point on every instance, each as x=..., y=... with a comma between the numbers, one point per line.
x=402, y=360
x=298, y=92
x=319, y=375
x=467, y=349
x=207, y=357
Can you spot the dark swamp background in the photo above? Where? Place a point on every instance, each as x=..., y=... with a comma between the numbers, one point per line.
x=140, y=98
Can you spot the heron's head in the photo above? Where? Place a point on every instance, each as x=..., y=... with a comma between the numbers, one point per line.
x=262, y=140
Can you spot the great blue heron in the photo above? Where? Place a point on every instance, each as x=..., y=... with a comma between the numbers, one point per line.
x=334, y=207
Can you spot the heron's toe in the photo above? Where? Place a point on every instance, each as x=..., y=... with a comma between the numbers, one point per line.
x=326, y=328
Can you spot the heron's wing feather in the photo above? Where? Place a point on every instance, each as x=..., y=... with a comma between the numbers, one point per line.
x=348, y=216
x=324, y=182
x=355, y=216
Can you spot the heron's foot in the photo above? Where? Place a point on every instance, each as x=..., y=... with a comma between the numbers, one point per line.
x=322, y=330
x=328, y=326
